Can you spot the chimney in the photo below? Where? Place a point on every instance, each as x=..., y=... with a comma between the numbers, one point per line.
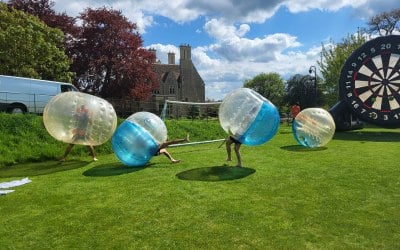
x=154, y=52
x=171, y=58
x=185, y=50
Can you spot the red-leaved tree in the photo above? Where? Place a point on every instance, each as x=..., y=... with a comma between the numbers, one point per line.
x=109, y=59
x=40, y=8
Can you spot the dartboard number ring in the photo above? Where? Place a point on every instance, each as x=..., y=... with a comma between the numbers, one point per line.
x=370, y=81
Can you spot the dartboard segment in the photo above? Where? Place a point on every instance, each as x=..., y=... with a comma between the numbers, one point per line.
x=370, y=81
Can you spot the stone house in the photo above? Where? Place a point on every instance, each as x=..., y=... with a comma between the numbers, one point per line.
x=178, y=82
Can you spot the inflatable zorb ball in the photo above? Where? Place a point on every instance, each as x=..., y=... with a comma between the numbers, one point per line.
x=313, y=127
x=248, y=116
x=79, y=118
x=137, y=139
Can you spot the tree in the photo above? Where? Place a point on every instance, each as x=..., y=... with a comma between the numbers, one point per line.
x=193, y=112
x=30, y=48
x=43, y=9
x=268, y=85
x=107, y=53
x=109, y=59
x=39, y=8
x=332, y=60
x=300, y=89
x=384, y=23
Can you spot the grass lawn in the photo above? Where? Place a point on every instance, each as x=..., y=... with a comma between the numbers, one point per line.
x=342, y=196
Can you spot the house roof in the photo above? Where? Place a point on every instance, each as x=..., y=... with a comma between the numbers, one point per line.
x=165, y=71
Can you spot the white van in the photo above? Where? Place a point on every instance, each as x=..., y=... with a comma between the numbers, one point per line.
x=21, y=95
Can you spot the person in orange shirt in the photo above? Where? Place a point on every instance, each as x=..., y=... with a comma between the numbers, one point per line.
x=295, y=110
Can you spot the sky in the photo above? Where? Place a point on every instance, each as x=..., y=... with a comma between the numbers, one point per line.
x=235, y=40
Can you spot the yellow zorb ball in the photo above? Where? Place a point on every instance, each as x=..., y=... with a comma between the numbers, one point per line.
x=313, y=127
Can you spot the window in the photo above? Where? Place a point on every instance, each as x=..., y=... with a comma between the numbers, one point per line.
x=66, y=88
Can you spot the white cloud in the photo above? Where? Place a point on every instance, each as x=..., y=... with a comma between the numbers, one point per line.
x=132, y=11
x=162, y=51
x=373, y=7
x=233, y=46
x=223, y=30
x=326, y=5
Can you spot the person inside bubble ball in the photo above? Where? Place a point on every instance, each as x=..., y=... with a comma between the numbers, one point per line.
x=229, y=141
x=80, y=132
x=162, y=149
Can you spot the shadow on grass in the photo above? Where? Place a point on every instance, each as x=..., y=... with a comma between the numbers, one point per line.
x=376, y=136
x=40, y=168
x=299, y=148
x=217, y=173
x=112, y=169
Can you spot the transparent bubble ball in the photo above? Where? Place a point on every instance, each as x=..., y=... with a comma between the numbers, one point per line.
x=137, y=139
x=248, y=116
x=313, y=127
x=62, y=117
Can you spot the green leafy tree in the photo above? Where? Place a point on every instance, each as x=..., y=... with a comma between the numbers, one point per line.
x=268, y=85
x=30, y=48
x=332, y=61
x=193, y=112
x=301, y=89
x=43, y=9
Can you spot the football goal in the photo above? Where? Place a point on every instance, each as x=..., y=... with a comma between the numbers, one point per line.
x=191, y=110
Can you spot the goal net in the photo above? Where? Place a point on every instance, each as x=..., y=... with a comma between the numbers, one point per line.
x=190, y=110
x=207, y=111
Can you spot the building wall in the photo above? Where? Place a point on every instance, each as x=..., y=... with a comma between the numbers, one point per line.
x=179, y=82
x=193, y=88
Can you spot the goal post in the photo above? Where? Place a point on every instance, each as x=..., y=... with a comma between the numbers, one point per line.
x=196, y=143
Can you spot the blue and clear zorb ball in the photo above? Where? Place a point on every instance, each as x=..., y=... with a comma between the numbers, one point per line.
x=137, y=139
x=313, y=127
x=249, y=117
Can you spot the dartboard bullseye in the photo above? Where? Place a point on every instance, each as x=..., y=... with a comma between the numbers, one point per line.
x=370, y=81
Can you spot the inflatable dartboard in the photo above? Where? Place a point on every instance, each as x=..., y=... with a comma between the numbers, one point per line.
x=370, y=81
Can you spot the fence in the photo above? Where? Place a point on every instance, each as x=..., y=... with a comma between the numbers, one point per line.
x=125, y=108
x=35, y=103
